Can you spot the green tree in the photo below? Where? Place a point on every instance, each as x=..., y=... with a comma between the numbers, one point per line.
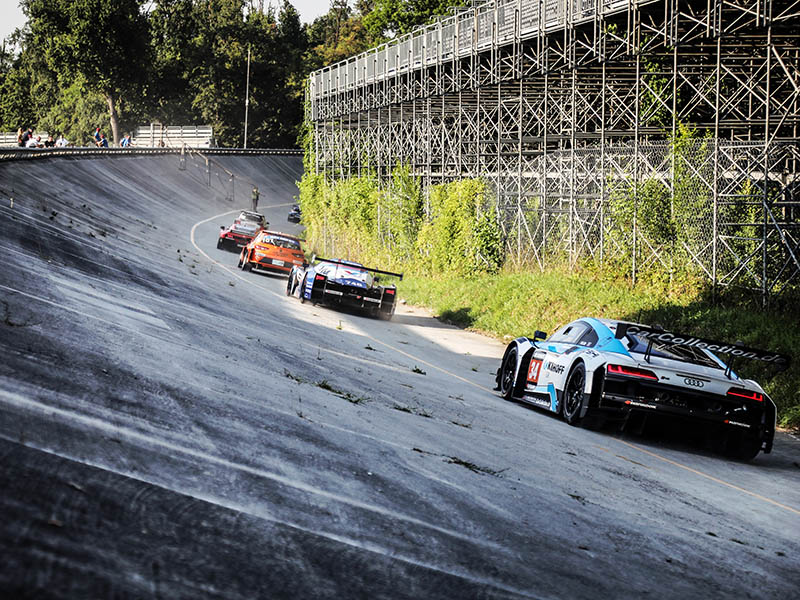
x=103, y=41
x=390, y=18
x=338, y=34
x=175, y=51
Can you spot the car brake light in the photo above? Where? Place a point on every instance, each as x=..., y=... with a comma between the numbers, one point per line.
x=319, y=277
x=748, y=394
x=389, y=291
x=632, y=372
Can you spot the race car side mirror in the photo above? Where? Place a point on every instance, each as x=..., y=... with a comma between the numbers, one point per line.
x=539, y=335
x=222, y=226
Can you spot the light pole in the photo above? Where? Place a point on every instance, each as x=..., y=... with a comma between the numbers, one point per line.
x=247, y=96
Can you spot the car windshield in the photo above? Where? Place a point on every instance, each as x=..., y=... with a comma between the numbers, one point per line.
x=248, y=225
x=345, y=271
x=280, y=241
x=253, y=217
x=688, y=354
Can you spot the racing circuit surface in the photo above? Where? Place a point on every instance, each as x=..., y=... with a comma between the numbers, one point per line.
x=173, y=428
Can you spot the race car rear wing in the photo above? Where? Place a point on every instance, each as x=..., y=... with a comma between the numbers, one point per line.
x=350, y=264
x=735, y=350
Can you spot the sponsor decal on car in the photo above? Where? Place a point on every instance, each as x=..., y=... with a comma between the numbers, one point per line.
x=639, y=404
x=736, y=350
x=554, y=367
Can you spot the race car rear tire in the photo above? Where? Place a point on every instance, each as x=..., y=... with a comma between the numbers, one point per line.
x=289, y=287
x=508, y=374
x=744, y=447
x=303, y=291
x=572, y=401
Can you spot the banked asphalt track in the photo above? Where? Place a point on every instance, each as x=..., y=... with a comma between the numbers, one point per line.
x=173, y=428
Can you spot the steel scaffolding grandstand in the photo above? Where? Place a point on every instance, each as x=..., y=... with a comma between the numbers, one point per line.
x=567, y=106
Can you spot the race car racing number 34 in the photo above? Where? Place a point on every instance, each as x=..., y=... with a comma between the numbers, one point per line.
x=533, y=370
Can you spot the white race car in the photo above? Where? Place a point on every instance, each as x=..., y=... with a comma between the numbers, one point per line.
x=605, y=367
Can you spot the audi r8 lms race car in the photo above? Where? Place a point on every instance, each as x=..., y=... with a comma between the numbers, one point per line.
x=242, y=231
x=611, y=368
x=344, y=283
x=294, y=214
x=272, y=251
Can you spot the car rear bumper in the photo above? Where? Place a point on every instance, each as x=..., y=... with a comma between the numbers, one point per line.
x=235, y=240
x=752, y=419
x=274, y=265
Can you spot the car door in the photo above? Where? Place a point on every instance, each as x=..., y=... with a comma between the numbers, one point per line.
x=556, y=359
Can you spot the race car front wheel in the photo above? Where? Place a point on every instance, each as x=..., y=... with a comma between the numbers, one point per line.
x=573, y=394
x=508, y=374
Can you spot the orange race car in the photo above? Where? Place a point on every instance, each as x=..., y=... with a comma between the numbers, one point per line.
x=273, y=251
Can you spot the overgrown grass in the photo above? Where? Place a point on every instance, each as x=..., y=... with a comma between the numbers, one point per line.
x=514, y=304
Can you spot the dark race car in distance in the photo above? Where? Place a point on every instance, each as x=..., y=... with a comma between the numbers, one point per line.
x=294, y=214
x=344, y=283
x=606, y=368
x=242, y=231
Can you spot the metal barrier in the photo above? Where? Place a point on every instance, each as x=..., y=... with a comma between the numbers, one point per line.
x=9, y=154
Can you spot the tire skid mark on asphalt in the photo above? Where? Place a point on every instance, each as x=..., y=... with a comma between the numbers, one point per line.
x=711, y=477
x=100, y=248
x=474, y=384
x=172, y=339
x=73, y=235
x=109, y=283
x=133, y=436
x=95, y=245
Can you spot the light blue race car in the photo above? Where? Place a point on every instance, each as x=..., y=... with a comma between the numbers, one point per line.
x=605, y=368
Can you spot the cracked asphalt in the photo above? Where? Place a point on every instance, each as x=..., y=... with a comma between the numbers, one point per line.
x=171, y=427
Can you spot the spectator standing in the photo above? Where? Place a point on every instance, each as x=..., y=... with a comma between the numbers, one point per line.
x=254, y=198
x=103, y=141
x=26, y=137
x=97, y=137
x=126, y=141
x=20, y=132
x=50, y=142
x=61, y=142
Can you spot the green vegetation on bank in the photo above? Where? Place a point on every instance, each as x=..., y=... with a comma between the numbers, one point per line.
x=450, y=248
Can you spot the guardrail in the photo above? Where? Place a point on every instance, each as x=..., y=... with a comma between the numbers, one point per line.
x=9, y=154
x=463, y=34
x=173, y=136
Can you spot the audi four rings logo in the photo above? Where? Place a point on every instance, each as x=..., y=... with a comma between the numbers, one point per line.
x=693, y=382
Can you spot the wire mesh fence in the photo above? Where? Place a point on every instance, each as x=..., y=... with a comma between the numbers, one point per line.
x=725, y=211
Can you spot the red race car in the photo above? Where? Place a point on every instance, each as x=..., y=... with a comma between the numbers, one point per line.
x=246, y=226
x=272, y=251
